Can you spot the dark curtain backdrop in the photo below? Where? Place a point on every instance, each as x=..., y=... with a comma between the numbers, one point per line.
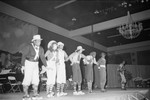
x=143, y=57
x=132, y=58
x=14, y=33
x=118, y=58
x=113, y=78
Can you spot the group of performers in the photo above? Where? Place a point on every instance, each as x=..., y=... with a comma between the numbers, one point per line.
x=54, y=66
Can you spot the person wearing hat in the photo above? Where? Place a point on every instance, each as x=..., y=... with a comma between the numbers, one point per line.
x=75, y=58
x=89, y=61
x=61, y=70
x=30, y=57
x=102, y=69
x=51, y=55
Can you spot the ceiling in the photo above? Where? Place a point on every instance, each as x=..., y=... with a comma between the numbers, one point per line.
x=75, y=14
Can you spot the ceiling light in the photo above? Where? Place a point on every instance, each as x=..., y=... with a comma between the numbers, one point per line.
x=98, y=33
x=130, y=5
x=96, y=12
x=74, y=19
x=131, y=29
x=142, y=1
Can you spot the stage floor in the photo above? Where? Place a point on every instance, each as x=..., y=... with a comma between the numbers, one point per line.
x=110, y=94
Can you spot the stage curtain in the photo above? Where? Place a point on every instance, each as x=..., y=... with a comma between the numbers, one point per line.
x=113, y=80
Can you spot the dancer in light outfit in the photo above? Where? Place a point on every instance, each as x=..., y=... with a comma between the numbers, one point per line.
x=51, y=55
x=30, y=57
x=75, y=58
x=61, y=69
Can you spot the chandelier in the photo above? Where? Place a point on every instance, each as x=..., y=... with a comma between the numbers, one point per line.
x=131, y=29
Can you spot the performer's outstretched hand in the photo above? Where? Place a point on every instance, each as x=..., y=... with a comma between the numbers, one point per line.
x=44, y=69
x=22, y=69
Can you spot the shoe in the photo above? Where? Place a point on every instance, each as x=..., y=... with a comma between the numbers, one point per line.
x=103, y=90
x=26, y=97
x=50, y=95
x=37, y=98
x=90, y=91
x=36, y=95
x=123, y=89
x=34, y=98
x=63, y=93
x=58, y=94
x=75, y=93
x=81, y=93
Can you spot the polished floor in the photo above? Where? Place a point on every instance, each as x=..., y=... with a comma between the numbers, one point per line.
x=110, y=94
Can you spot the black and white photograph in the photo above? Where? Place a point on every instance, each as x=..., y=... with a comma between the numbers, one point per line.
x=74, y=49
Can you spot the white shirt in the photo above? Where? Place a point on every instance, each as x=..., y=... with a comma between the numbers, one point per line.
x=61, y=56
x=75, y=57
x=36, y=48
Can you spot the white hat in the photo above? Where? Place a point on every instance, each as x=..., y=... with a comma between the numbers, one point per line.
x=60, y=43
x=80, y=48
x=36, y=37
x=50, y=43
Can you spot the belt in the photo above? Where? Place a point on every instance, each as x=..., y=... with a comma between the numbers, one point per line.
x=76, y=63
x=32, y=60
x=102, y=66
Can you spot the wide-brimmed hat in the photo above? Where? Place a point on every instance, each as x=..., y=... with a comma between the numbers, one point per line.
x=79, y=48
x=36, y=37
x=50, y=43
x=60, y=43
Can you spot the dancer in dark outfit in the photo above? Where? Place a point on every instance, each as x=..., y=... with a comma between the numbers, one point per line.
x=89, y=61
x=30, y=57
x=75, y=58
x=121, y=70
